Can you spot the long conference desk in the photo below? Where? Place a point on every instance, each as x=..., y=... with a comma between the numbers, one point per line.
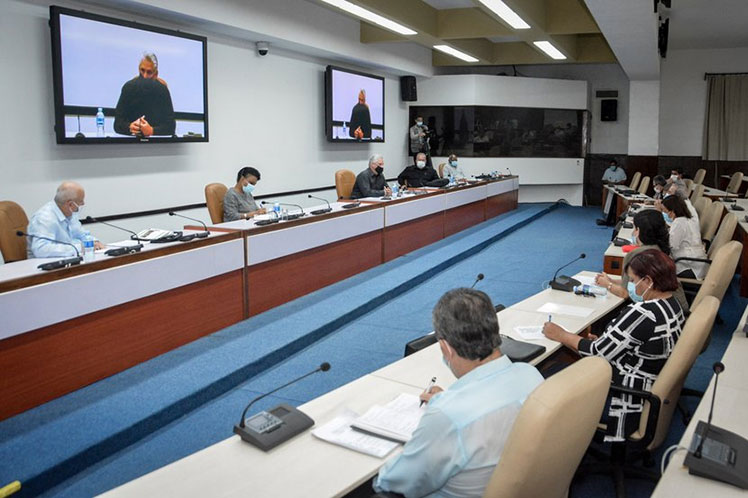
x=741, y=235
x=308, y=467
x=64, y=329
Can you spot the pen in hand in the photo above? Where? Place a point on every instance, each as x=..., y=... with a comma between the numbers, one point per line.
x=428, y=388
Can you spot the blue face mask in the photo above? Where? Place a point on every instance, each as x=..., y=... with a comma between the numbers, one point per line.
x=667, y=217
x=631, y=287
x=453, y=163
x=633, y=241
x=248, y=188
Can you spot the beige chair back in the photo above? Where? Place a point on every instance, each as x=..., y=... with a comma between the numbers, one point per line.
x=697, y=193
x=12, y=219
x=735, y=181
x=441, y=170
x=214, y=194
x=720, y=272
x=689, y=186
x=552, y=432
x=698, y=178
x=712, y=217
x=644, y=186
x=701, y=206
x=724, y=234
x=344, y=181
x=670, y=380
x=635, y=181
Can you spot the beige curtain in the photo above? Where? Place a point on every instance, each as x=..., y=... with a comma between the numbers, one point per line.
x=726, y=118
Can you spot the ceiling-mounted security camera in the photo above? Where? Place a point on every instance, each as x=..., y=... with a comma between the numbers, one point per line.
x=263, y=48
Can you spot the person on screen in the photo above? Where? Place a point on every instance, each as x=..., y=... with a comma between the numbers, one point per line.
x=419, y=174
x=360, y=118
x=238, y=203
x=144, y=107
x=59, y=220
x=371, y=182
x=459, y=440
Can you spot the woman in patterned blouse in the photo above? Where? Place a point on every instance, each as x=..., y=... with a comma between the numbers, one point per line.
x=638, y=341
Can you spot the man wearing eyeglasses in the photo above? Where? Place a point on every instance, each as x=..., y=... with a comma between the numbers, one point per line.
x=59, y=220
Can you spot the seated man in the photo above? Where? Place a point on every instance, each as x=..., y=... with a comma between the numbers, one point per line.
x=418, y=175
x=615, y=174
x=58, y=219
x=371, y=182
x=675, y=184
x=452, y=168
x=659, y=183
x=459, y=440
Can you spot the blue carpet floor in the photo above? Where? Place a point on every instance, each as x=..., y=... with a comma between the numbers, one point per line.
x=357, y=325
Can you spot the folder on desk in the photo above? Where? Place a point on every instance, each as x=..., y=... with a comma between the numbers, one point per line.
x=396, y=421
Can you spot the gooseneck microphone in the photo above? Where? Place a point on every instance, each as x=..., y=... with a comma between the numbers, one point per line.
x=201, y=235
x=118, y=251
x=478, y=278
x=566, y=283
x=62, y=263
x=320, y=211
x=718, y=368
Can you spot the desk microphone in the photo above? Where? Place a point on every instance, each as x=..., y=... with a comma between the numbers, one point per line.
x=477, y=279
x=268, y=429
x=292, y=216
x=510, y=171
x=320, y=211
x=118, y=251
x=718, y=368
x=565, y=283
x=54, y=265
x=201, y=235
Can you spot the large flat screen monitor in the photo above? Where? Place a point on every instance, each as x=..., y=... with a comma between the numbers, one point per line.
x=119, y=81
x=354, y=106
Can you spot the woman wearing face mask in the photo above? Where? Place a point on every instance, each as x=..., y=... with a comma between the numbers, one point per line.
x=685, y=237
x=638, y=342
x=238, y=204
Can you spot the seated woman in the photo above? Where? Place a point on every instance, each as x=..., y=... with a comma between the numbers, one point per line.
x=685, y=238
x=650, y=232
x=638, y=341
x=238, y=203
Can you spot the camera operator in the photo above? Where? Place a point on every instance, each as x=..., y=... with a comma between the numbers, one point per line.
x=419, y=140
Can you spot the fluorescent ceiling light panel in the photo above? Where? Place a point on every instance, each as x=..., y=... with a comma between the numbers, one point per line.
x=508, y=15
x=550, y=50
x=370, y=16
x=455, y=53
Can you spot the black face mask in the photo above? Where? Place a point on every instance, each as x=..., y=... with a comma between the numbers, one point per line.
x=379, y=170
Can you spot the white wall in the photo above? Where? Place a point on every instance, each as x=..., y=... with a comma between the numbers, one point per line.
x=644, y=117
x=541, y=179
x=683, y=95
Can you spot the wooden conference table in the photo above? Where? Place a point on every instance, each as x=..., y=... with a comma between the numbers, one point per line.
x=613, y=194
x=741, y=235
x=308, y=467
x=64, y=329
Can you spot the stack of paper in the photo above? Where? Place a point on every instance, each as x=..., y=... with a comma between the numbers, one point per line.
x=338, y=431
x=396, y=421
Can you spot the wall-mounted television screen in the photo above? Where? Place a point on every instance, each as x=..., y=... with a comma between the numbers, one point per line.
x=354, y=106
x=120, y=81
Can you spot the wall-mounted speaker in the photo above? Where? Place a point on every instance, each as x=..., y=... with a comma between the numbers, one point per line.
x=609, y=110
x=408, y=91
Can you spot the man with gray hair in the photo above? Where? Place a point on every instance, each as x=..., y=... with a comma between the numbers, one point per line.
x=144, y=107
x=59, y=220
x=459, y=441
x=370, y=182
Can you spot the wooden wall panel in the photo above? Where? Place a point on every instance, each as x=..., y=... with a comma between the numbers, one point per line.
x=405, y=237
x=281, y=280
x=41, y=365
x=460, y=218
x=500, y=204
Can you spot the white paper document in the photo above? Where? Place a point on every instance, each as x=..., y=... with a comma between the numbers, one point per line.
x=584, y=280
x=565, y=309
x=530, y=332
x=395, y=421
x=338, y=431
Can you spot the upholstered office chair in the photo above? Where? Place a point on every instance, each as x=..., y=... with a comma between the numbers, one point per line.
x=718, y=276
x=635, y=181
x=700, y=207
x=214, y=194
x=12, y=219
x=660, y=404
x=698, y=178
x=697, y=193
x=552, y=432
x=724, y=234
x=644, y=186
x=734, y=186
x=689, y=186
x=344, y=181
x=441, y=170
x=711, y=219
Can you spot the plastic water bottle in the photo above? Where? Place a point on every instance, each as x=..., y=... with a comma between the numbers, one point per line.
x=277, y=210
x=345, y=131
x=88, y=247
x=395, y=190
x=451, y=179
x=100, y=123
x=590, y=290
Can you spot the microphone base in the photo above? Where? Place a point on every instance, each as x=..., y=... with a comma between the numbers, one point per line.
x=120, y=251
x=62, y=263
x=320, y=211
x=723, y=456
x=202, y=235
x=294, y=422
x=564, y=283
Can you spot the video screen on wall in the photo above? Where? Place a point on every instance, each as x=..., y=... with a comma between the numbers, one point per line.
x=118, y=81
x=492, y=131
x=354, y=106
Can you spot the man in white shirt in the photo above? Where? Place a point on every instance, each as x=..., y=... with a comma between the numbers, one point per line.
x=614, y=174
x=453, y=169
x=459, y=440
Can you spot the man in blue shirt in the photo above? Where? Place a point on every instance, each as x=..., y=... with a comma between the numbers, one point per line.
x=59, y=220
x=459, y=440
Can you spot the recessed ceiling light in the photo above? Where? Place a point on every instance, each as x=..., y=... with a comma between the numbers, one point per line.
x=455, y=53
x=550, y=50
x=371, y=17
x=508, y=15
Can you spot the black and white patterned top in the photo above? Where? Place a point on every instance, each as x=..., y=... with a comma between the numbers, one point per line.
x=636, y=343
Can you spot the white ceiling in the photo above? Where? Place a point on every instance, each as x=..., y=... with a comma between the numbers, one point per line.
x=708, y=24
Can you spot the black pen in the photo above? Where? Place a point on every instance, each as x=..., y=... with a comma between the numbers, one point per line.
x=428, y=388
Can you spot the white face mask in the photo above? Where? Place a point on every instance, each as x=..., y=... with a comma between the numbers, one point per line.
x=673, y=177
x=419, y=123
x=421, y=164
